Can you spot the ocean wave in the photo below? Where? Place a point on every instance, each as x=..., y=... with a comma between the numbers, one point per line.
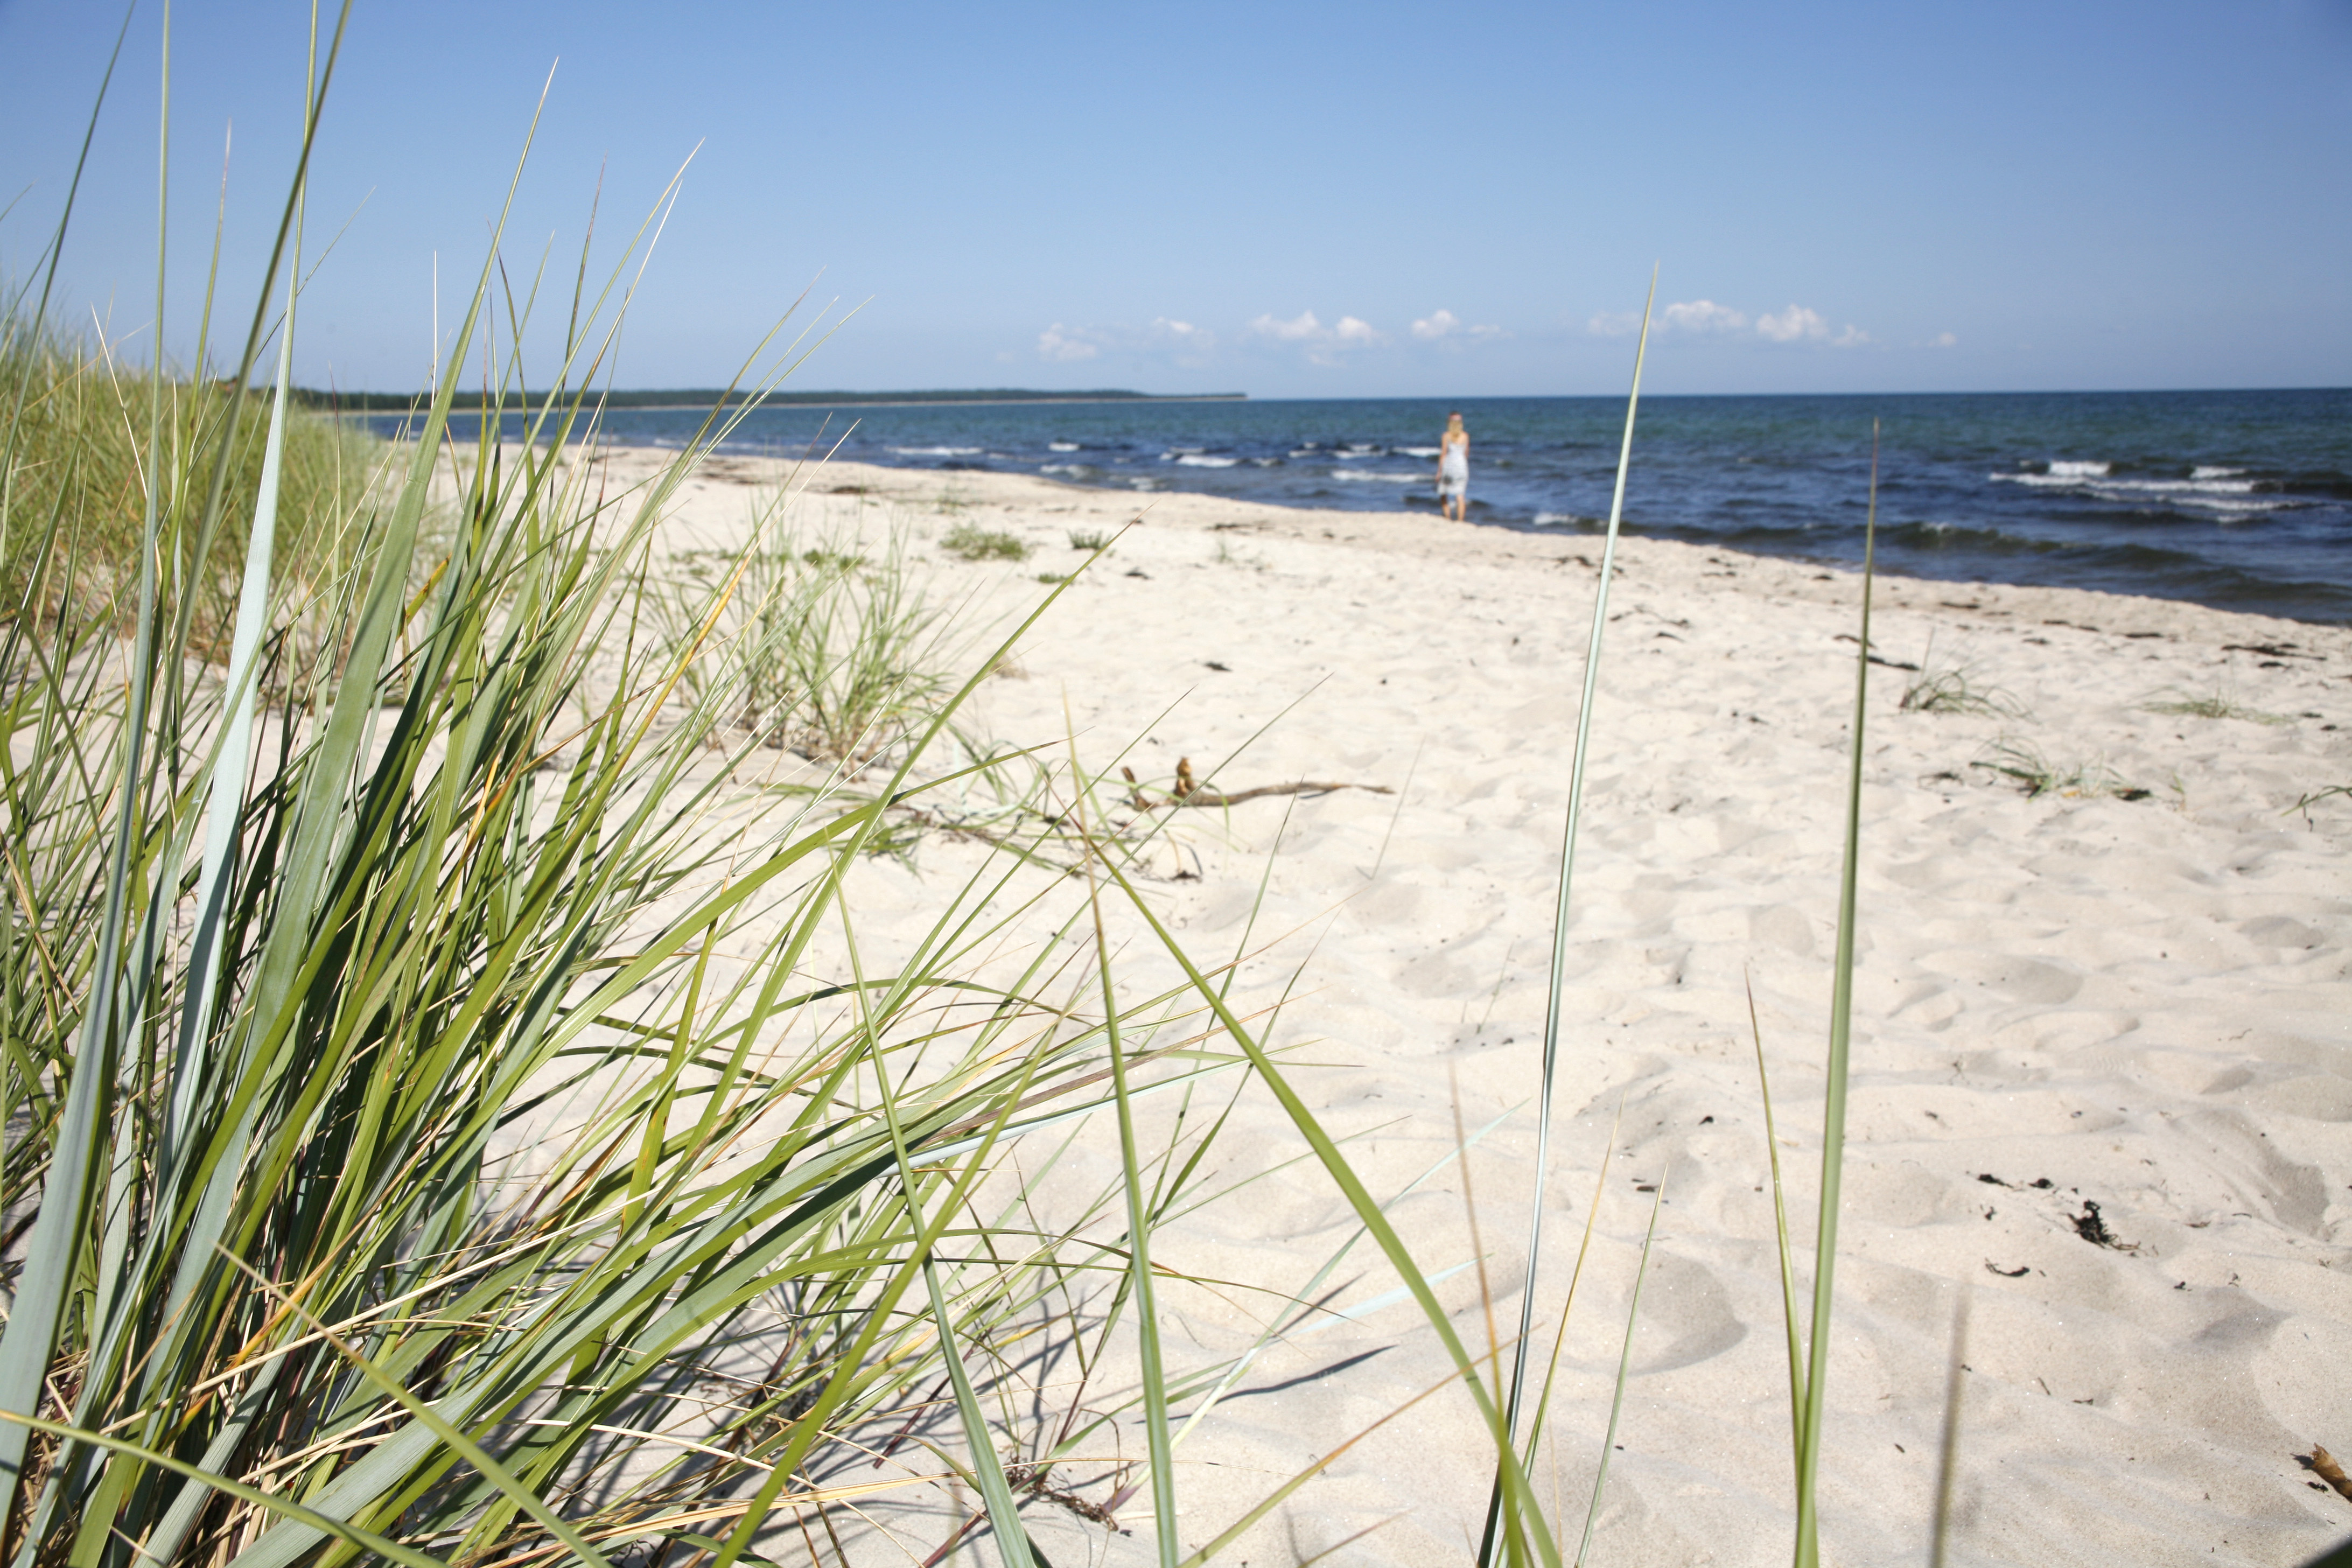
x=1197, y=460
x=2231, y=497
x=1393, y=479
x=2080, y=471
x=1065, y=469
x=1061, y=445
x=1559, y=519
x=1416, y=451
x=939, y=452
x=1308, y=450
x=2206, y=471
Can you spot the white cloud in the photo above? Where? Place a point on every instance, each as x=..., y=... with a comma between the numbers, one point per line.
x=1943, y=340
x=1057, y=343
x=1854, y=337
x=1613, y=323
x=1793, y=323
x=1321, y=343
x=1436, y=325
x=1301, y=327
x=1705, y=316
x=1183, y=333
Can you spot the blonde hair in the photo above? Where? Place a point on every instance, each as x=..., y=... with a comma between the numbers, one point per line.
x=1454, y=420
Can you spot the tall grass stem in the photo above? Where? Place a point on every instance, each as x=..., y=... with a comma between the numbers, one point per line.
x=1808, y=1451
x=1556, y=992
x=1624, y=1372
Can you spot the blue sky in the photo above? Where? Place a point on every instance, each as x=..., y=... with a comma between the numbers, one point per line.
x=1326, y=200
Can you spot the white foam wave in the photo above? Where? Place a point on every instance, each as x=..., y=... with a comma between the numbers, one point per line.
x=2233, y=497
x=937, y=451
x=2080, y=471
x=1309, y=450
x=1195, y=460
x=1065, y=469
x=1416, y=451
x=1061, y=445
x=2204, y=471
x=1392, y=478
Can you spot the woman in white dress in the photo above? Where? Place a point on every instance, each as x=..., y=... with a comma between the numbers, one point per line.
x=1454, y=471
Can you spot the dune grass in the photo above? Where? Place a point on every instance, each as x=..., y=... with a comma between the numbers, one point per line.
x=77, y=438
x=1952, y=688
x=832, y=653
x=970, y=542
x=2217, y=703
x=2024, y=765
x=453, y=1121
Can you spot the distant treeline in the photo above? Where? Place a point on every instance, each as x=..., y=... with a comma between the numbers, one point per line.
x=707, y=397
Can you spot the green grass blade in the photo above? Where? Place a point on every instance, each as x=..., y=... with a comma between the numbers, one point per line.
x=232, y=758
x=1558, y=973
x=1780, y=1235
x=1158, y=1443
x=1809, y=1452
x=1567, y=1302
x=1368, y=1210
x=1948, y=1451
x=1624, y=1371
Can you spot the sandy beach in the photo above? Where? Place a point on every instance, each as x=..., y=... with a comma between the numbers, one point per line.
x=2102, y=1070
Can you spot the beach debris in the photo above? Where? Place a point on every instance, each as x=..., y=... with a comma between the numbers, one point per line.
x=2018, y=1272
x=1189, y=790
x=2092, y=1228
x=2321, y=1463
x=1033, y=1479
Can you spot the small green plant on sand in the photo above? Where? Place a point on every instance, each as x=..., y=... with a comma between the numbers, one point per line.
x=2215, y=704
x=1950, y=691
x=2316, y=796
x=2023, y=764
x=829, y=654
x=972, y=542
x=1049, y=578
x=1088, y=538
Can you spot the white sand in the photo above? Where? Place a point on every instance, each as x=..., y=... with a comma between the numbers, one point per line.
x=2141, y=1005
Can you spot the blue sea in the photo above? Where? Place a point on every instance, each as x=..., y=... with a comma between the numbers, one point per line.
x=2239, y=500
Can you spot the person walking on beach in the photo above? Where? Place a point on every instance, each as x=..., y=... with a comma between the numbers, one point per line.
x=1454, y=471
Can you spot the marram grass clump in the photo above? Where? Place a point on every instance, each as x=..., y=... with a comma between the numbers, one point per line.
x=77, y=423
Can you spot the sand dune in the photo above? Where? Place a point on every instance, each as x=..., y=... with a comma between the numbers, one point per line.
x=2102, y=1071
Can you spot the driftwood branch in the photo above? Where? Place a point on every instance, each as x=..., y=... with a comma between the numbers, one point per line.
x=1189, y=791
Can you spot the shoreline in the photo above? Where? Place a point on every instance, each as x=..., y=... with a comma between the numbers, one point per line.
x=1934, y=544
x=2128, y=615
